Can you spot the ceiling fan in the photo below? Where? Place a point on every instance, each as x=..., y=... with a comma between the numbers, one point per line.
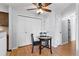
x=41, y=7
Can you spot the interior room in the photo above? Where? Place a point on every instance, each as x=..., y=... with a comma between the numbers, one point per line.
x=40, y=29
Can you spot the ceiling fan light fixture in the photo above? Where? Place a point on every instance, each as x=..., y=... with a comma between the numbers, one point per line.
x=40, y=11
x=41, y=7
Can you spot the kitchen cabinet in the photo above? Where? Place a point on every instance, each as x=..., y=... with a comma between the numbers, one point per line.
x=3, y=44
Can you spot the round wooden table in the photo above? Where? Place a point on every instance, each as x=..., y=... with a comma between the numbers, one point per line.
x=46, y=39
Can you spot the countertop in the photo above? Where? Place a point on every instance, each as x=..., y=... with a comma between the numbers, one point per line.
x=3, y=29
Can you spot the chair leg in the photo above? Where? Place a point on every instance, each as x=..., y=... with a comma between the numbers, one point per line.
x=40, y=47
x=50, y=47
x=32, y=48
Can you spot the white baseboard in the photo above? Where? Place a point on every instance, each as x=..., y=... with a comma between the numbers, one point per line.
x=77, y=52
x=64, y=43
x=73, y=40
x=20, y=46
x=14, y=48
x=55, y=46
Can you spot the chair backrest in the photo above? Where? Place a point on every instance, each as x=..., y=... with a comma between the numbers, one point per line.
x=32, y=38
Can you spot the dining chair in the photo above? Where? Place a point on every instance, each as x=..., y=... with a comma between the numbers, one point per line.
x=34, y=43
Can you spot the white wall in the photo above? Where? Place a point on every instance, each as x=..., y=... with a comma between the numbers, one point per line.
x=68, y=10
x=3, y=8
x=12, y=27
x=77, y=29
x=64, y=31
x=52, y=26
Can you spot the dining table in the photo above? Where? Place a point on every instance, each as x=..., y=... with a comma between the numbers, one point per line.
x=46, y=39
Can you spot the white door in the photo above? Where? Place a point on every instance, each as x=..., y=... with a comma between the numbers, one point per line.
x=64, y=31
x=3, y=44
x=20, y=33
x=26, y=26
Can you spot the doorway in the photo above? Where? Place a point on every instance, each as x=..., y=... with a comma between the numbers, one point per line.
x=69, y=31
x=68, y=28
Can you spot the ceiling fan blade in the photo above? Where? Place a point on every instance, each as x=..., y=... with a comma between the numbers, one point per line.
x=32, y=9
x=47, y=10
x=34, y=4
x=47, y=4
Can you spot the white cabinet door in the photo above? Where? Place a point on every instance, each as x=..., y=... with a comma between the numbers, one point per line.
x=3, y=49
x=21, y=33
x=26, y=26
x=32, y=26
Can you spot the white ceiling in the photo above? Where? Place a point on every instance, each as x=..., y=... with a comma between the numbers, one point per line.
x=57, y=7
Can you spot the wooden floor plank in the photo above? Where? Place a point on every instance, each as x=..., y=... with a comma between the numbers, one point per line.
x=63, y=50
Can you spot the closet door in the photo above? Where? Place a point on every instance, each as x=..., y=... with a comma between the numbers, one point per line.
x=20, y=32
x=26, y=26
x=32, y=26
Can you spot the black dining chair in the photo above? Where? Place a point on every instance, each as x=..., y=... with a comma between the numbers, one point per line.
x=34, y=43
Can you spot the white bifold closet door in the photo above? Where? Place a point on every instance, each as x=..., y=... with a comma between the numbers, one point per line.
x=26, y=26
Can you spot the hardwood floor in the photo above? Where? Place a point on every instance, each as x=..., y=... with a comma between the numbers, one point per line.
x=63, y=50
